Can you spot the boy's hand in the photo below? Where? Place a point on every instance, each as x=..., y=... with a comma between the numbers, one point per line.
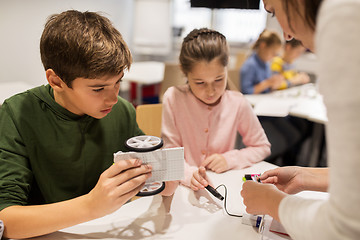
x=216, y=163
x=116, y=186
x=199, y=179
x=276, y=81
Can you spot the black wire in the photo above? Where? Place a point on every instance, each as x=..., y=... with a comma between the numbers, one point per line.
x=225, y=197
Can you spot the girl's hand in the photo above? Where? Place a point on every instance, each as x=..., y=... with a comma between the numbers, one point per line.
x=216, y=163
x=199, y=179
x=116, y=186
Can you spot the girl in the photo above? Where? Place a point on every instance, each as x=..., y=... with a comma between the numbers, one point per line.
x=255, y=74
x=332, y=26
x=204, y=118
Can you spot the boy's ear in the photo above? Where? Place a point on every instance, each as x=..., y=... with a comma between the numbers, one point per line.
x=262, y=45
x=54, y=80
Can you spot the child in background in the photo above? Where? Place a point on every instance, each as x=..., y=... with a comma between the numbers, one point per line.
x=284, y=65
x=256, y=77
x=204, y=118
x=57, y=140
x=255, y=73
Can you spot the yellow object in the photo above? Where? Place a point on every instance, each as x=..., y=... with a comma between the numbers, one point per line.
x=277, y=66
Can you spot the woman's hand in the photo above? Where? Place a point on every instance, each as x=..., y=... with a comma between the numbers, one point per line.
x=261, y=198
x=296, y=179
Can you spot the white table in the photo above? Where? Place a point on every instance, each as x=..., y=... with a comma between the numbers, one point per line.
x=8, y=89
x=301, y=101
x=144, y=73
x=186, y=215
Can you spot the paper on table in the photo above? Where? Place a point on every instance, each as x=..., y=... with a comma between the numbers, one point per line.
x=167, y=164
x=273, y=107
x=277, y=227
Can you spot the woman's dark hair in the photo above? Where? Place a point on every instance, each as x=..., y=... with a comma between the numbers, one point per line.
x=311, y=10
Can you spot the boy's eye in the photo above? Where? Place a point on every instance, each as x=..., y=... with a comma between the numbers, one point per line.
x=218, y=80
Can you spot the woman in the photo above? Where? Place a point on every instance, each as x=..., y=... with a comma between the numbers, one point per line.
x=330, y=27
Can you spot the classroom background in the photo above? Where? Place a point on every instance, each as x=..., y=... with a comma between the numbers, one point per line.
x=154, y=30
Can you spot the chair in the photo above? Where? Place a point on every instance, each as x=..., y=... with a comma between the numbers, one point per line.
x=173, y=76
x=234, y=79
x=241, y=58
x=148, y=117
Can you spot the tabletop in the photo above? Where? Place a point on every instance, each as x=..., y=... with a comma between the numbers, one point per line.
x=185, y=215
x=301, y=101
x=147, y=72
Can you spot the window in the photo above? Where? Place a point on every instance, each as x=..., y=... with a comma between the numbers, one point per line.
x=239, y=26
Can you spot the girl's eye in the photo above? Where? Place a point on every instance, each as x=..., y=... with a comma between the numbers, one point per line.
x=218, y=80
x=199, y=83
x=98, y=90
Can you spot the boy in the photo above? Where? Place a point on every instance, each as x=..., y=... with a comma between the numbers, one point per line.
x=57, y=141
x=284, y=64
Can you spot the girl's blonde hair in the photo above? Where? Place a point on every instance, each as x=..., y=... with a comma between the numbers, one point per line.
x=270, y=38
x=203, y=45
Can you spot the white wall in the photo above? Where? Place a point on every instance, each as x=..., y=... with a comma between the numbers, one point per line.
x=21, y=25
x=152, y=29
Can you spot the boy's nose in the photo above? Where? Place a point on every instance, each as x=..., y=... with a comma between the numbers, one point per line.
x=112, y=98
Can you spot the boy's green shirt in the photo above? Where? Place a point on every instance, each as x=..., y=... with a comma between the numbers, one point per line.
x=48, y=154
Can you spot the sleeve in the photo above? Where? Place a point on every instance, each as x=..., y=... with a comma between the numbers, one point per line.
x=247, y=76
x=170, y=133
x=254, y=138
x=15, y=173
x=338, y=52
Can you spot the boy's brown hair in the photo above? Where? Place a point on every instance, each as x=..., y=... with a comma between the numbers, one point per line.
x=83, y=44
x=294, y=43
